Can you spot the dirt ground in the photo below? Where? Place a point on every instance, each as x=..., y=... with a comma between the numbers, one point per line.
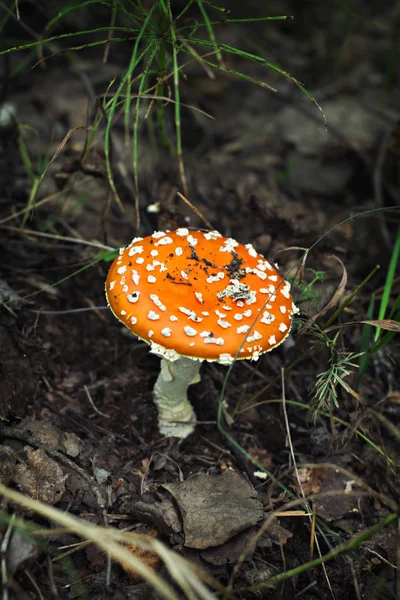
x=77, y=420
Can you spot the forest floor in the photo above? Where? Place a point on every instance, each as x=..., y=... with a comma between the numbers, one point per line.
x=78, y=424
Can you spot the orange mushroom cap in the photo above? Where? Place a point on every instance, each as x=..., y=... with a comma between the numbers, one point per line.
x=197, y=294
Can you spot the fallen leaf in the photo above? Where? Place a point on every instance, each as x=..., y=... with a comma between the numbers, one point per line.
x=336, y=506
x=8, y=461
x=214, y=509
x=40, y=477
x=150, y=559
x=163, y=515
x=387, y=324
x=310, y=478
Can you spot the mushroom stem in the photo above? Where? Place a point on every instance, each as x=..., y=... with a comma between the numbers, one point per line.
x=170, y=396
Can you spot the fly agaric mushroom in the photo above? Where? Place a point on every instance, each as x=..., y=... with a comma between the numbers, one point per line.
x=195, y=295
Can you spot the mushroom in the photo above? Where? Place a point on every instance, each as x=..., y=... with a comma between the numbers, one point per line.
x=194, y=295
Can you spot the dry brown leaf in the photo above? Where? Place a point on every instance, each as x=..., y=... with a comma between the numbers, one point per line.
x=310, y=478
x=215, y=508
x=394, y=396
x=261, y=456
x=338, y=293
x=300, y=265
x=387, y=324
x=40, y=476
x=149, y=558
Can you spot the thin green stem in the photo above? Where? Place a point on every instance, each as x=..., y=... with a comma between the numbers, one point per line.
x=161, y=70
x=210, y=30
x=389, y=282
x=135, y=134
x=179, y=150
x=353, y=544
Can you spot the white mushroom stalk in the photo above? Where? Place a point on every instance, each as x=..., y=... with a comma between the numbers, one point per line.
x=176, y=417
x=194, y=295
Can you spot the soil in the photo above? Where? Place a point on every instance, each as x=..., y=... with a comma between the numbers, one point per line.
x=78, y=425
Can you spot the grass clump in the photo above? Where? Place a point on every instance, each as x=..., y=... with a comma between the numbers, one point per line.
x=164, y=41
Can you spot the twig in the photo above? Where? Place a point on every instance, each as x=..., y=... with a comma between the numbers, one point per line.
x=96, y=410
x=378, y=183
x=53, y=236
x=28, y=208
x=196, y=211
x=310, y=517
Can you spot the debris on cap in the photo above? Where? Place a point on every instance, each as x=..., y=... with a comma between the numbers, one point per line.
x=197, y=294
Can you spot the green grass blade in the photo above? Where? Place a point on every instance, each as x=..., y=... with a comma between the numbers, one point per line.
x=31, y=199
x=135, y=132
x=349, y=546
x=24, y=154
x=63, y=36
x=237, y=21
x=56, y=283
x=184, y=10
x=179, y=150
x=366, y=336
x=70, y=8
x=210, y=30
x=387, y=290
x=135, y=60
x=259, y=60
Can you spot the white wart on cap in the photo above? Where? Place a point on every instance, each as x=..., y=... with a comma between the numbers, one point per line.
x=196, y=294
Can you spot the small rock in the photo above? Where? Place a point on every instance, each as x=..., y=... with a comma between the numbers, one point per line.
x=316, y=175
x=347, y=117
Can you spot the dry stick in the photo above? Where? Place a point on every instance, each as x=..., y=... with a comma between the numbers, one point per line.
x=33, y=581
x=164, y=99
x=338, y=292
x=89, y=397
x=350, y=298
x=191, y=50
x=70, y=311
x=58, y=151
x=105, y=213
x=111, y=159
x=289, y=439
x=196, y=211
x=16, y=17
x=378, y=183
x=355, y=582
x=110, y=32
x=50, y=575
x=312, y=532
x=306, y=589
x=28, y=208
x=53, y=236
